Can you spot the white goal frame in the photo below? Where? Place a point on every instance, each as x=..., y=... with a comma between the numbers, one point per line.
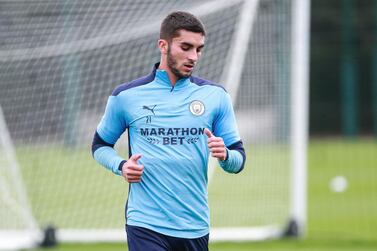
x=299, y=130
x=31, y=235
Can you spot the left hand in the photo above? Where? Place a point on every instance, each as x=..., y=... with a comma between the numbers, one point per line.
x=216, y=145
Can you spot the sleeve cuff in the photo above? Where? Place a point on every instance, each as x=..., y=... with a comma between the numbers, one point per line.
x=121, y=165
x=233, y=161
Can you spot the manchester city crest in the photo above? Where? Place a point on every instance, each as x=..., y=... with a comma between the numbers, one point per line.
x=197, y=108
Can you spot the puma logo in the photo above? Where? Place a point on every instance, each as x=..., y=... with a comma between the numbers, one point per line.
x=149, y=109
x=149, y=117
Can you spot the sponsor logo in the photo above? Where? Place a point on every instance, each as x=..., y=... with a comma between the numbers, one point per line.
x=172, y=136
x=197, y=108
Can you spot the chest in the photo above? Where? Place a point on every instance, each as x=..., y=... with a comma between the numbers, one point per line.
x=173, y=109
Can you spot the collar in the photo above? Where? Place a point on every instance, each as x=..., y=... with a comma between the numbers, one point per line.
x=162, y=77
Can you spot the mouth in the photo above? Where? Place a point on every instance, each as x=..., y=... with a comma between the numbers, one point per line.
x=188, y=67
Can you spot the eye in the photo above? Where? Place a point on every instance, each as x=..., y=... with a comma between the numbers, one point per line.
x=185, y=48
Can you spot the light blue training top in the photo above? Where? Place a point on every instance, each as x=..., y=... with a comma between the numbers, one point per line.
x=166, y=125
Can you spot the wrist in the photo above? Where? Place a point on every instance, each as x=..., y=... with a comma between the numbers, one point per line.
x=233, y=162
x=226, y=155
x=120, y=167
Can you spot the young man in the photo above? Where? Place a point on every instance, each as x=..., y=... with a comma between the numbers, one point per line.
x=174, y=120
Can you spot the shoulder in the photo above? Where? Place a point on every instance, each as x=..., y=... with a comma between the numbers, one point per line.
x=204, y=82
x=132, y=84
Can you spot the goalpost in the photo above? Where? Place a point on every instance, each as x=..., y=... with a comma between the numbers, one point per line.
x=18, y=228
x=61, y=59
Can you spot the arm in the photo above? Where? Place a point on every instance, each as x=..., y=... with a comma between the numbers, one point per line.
x=111, y=127
x=235, y=161
x=227, y=145
x=231, y=158
x=105, y=154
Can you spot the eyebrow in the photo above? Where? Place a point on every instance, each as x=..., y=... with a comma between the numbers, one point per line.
x=191, y=45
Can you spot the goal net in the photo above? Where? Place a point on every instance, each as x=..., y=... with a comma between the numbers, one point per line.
x=59, y=62
x=18, y=228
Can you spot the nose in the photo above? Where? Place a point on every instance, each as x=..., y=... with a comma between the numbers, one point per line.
x=193, y=56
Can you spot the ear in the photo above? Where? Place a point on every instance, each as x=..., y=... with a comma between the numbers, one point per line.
x=163, y=46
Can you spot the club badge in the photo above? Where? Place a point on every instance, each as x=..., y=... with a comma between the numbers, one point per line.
x=197, y=108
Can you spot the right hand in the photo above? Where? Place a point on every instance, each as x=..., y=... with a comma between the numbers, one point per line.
x=131, y=170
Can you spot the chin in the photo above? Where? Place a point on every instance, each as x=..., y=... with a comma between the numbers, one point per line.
x=183, y=74
x=186, y=74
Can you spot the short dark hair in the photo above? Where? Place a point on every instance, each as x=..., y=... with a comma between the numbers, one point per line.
x=180, y=20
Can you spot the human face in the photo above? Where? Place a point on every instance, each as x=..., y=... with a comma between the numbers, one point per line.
x=184, y=52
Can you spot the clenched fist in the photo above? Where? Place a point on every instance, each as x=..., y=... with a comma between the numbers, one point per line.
x=131, y=170
x=216, y=145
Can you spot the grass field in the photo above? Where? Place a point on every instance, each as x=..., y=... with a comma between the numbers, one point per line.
x=322, y=244
x=336, y=221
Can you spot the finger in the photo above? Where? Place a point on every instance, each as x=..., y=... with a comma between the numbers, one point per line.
x=218, y=150
x=135, y=157
x=210, y=140
x=134, y=180
x=134, y=173
x=208, y=133
x=215, y=139
x=220, y=156
x=216, y=144
x=133, y=177
x=135, y=167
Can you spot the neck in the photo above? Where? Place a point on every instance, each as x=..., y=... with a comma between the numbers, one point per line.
x=172, y=77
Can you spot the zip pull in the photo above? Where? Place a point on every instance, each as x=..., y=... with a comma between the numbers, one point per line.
x=172, y=88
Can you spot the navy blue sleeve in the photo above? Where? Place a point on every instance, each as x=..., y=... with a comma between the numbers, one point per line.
x=99, y=142
x=238, y=146
x=105, y=154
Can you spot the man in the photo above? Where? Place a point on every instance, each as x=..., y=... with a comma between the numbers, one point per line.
x=174, y=120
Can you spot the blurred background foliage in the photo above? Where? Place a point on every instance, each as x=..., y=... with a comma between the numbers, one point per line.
x=337, y=33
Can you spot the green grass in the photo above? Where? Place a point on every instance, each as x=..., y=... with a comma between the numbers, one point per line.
x=353, y=213
x=322, y=244
x=259, y=194
x=336, y=221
